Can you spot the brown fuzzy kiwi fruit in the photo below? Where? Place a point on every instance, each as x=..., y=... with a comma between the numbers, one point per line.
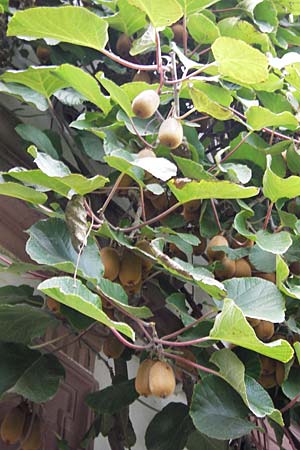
x=295, y=268
x=191, y=216
x=43, y=54
x=227, y=270
x=268, y=381
x=242, y=268
x=12, y=425
x=142, y=76
x=146, y=153
x=264, y=330
x=160, y=202
x=200, y=248
x=178, y=32
x=131, y=269
x=134, y=289
x=112, y=347
x=123, y=45
x=145, y=104
x=216, y=241
x=266, y=276
x=142, y=377
x=192, y=206
x=53, y=305
x=268, y=365
x=176, y=252
x=253, y=322
x=34, y=440
x=146, y=263
x=280, y=372
x=162, y=381
x=239, y=241
x=111, y=262
x=170, y=133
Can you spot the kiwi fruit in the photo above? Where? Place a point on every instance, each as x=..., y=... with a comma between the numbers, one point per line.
x=178, y=32
x=175, y=252
x=145, y=104
x=268, y=365
x=216, y=241
x=123, y=45
x=134, y=289
x=43, y=54
x=242, y=268
x=295, y=268
x=111, y=262
x=162, y=381
x=160, y=202
x=53, y=305
x=200, y=248
x=267, y=276
x=239, y=241
x=192, y=206
x=12, y=425
x=264, y=330
x=142, y=377
x=34, y=440
x=142, y=76
x=280, y=372
x=170, y=133
x=146, y=153
x=112, y=347
x=146, y=263
x=131, y=269
x=191, y=216
x=227, y=270
x=268, y=381
x=253, y=322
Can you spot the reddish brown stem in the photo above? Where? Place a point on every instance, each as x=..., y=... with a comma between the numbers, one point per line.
x=111, y=194
x=190, y=363
x=212, y=201
x=268, y=215
x=129, y=344
x=180, y=80
x=290, y=439
x=159, y=62
x=231, y=151
x=185, y=35
x=188, y=327
x=182, y=343
x=128, y=64
x=290, y=404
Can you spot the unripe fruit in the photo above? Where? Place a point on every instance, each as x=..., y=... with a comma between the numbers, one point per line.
x=268, y=381
x=146, y=263
x=142, y=76
x=266, y=276
x=43, y=54
x=242, y=268
x=123, y=45
x=264, y=330
x=146, y=153
x=12, y=426
x=112, y=347
x=170, y=133
x=295, y=267
x=268, y=365
x=111, y=262
x=53, y=305
x=253, y=322
x=162, y=381
x=280, y=373
x=145, y=104
x=216, y=241
x=239, y=241
x=142, y=377
x=227, y=270
x=178, y=32
x=34, y=440
x=131, y=269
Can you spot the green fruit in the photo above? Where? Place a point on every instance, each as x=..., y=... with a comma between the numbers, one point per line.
x=145, y=104
x=170, y=133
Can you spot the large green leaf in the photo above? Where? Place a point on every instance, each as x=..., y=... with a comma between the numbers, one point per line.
x=277, y=243
x=112, y=398
x=37, y=137
x=12, y=295
x=83, y=83
x=204, y=104
x=24, y=94
x=22, y=323
x=71, y=24
x=40, y=79
x=77, y=296
x=202, y=29
x=239, y=61
x=263, y=14
x=259, y=118
x=198, y=441
x=231, y=326
x=16, y=190
x=257, y=298
x=117, y=94
x=240, y=29
x=218, y=411
x=210, y=189
x=128, y=19
x=26, y=372
x=275, y=187
x=193, y=6
x=169, y=429
x=50, y=243
x=160, y=14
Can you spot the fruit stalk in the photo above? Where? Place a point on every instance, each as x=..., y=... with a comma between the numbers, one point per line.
x=191, y=363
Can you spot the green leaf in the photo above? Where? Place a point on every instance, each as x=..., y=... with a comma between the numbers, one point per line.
x=112, y=398
x=83, y=83
x=198, y=441
x=259, y=118
x=117, y=94
x=77, y=296
x=71, y=24
x=16, y=190
x=203, y=104
x=231, y=326
x=263, y=14
x=218, y=411
x=25, y=94
x=22, y=323
x=12, y=295
x=193, y=6
x=287, y=6
x=261, y=260
x=50, y=243
x=275, y=187
x=169, y=429
x=240, y=29
x=291, y=386
x=240, y=62
x=191, y=169
x=27, y=372
x=37, y=137
x=40, y=79
x=160, y=14
x=277, y=243
x=128, y=19
x=202, y=29
x=210, y=189
x=257, y=298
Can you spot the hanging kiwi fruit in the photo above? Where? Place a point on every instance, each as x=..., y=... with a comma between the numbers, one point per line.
x=216, y=241
x=123, y=45
x=111, y=262
x=11, y=429
x=142, y=378
x=227, y=269
x=145, y=104
x=162, y=380
x=130, y=269
x=112, y=347
x=242, y=268
x=264, y=330
x=170, y=133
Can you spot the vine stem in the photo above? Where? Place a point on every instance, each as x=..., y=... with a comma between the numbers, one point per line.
x=231, y=151
x=185, y=35
x=289, y=436
x=190, y=363
x=82, y=333
x=182, y=343
x=188, y=327
x=129, y=344
x=130, y=65
x=34, y=274
x=175, y=87
x=290, y=404
x=111, y=194
x=52, y=341
x=160, y=69
x=187, y=77
x=212, y=201
x=147, y=144
x=268, y=215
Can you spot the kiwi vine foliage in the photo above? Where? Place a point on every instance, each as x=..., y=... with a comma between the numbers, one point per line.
x=203, y=225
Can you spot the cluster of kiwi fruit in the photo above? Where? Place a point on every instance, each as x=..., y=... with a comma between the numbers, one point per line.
x=272, y=372
x=155, y=377
x=20, y=426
